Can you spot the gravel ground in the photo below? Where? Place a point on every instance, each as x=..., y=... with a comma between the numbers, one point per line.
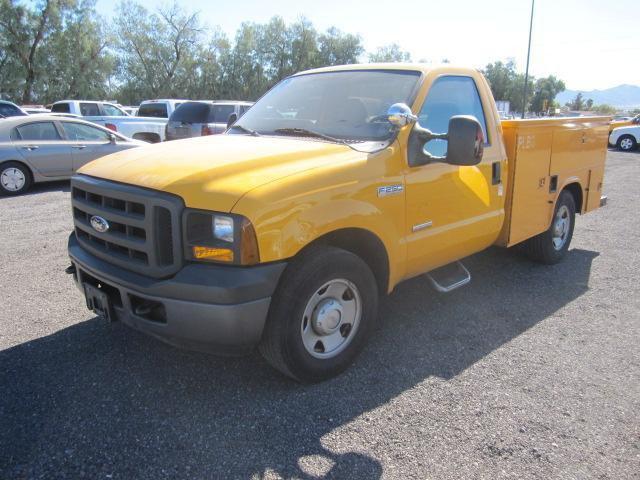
x=528, y=372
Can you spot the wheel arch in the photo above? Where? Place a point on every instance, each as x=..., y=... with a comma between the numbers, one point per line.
x=575, y=189
x=363, y=243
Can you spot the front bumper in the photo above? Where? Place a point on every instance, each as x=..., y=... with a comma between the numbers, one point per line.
x=213, y=308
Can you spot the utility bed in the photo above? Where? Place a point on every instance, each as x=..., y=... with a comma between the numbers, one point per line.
x=544, y=156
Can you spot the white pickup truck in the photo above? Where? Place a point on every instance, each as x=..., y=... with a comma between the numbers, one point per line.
x=148, y=129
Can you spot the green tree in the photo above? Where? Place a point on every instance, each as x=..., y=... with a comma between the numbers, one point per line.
x=604, y=109
x=338, y=48
x=507, y=84
x=390, y=53
x=157, y=51
x=544, y=93
x=52, y=48
x=578, y=103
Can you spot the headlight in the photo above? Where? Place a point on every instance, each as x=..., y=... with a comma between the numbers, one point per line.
x=223, y=228
x=215, y=237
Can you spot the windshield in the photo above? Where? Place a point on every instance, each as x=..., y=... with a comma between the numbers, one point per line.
x=337, y=104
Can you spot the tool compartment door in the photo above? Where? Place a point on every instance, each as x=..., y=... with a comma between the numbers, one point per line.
x=530, y=199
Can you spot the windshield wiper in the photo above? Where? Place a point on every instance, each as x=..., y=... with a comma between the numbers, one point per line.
x=310, y=133
x=245, y=129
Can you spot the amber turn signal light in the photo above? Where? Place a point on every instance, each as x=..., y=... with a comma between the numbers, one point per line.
x=213, y=254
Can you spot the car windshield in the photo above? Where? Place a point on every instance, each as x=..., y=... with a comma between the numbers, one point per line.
x=339, y=104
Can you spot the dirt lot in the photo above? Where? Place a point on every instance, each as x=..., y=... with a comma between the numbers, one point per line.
x=528, y=372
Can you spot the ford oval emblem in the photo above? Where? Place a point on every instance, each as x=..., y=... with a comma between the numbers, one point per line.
x=99, y=224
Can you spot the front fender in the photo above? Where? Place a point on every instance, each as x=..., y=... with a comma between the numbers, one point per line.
x=288, y=217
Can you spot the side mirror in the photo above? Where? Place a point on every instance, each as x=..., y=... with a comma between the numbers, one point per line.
x=399, y=115
x=465, y=143
x=232, y=119
x=113, y=139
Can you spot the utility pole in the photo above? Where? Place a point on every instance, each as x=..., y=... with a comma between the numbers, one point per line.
x=526, y=75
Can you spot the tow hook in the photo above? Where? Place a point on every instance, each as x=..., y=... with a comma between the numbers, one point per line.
x=70, y=270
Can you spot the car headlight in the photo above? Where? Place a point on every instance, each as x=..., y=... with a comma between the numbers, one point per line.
x=219, y=237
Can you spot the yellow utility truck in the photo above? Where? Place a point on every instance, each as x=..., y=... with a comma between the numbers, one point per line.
x=338, y=184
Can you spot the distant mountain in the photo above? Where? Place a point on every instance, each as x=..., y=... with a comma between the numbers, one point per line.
x=622, y=96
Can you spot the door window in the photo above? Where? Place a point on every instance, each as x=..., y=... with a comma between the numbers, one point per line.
x=450, y=96
x=112, y=111
x=89, y=110
x=78, y=132
x=36, y=132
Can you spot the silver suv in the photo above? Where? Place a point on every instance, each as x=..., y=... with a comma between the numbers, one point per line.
x=199, y=118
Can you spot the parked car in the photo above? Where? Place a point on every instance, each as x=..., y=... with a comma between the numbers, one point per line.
x=160, y=108
x=40, y=148
x=200, y=118
x=114, y=118
x=626, y=139
x=9, y=109
x=338, y=184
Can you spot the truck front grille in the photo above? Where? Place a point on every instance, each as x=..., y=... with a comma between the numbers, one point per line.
x=143, y=234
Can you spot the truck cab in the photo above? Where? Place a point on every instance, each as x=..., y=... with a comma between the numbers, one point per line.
x=338, y=184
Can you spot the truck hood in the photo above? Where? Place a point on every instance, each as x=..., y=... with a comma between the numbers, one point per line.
x=212, y=173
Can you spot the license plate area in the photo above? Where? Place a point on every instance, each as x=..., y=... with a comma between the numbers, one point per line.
x=98, y=302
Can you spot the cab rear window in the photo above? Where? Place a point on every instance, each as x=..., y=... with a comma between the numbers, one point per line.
x=61, y=108
x=158, y=110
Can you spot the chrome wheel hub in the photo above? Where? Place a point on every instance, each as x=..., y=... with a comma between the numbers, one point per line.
x=12, y=179
x=561, y=227
x=626, y=144
x=331, y=318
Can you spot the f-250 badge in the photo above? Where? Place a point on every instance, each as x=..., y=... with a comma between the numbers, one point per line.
x=388, y=190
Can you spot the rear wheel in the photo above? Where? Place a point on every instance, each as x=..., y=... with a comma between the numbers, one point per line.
x=550, y=246
x=321, y=316
x=627, y=143
x=15, y=178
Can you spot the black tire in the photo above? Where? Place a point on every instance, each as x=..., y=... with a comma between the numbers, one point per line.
x=627, y=146
x=7, y=167
x=541, y=247
x=282, y=345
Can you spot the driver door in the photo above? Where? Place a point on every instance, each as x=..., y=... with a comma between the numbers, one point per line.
x=453, y=211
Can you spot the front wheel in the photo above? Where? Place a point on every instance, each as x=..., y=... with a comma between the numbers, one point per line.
x=321, y=315
x=627, y=143
x=550, y=246
x=15, y=178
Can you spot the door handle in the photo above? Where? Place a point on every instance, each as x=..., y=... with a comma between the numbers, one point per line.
x=496, y=173
x=31, y=147
x=79, y=147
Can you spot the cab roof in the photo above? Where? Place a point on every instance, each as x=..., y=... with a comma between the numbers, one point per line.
x=423, y=68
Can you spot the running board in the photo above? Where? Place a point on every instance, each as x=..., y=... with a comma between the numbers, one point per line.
x=449, y=277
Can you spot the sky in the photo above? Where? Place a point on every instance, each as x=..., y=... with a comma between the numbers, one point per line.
x=590, y=44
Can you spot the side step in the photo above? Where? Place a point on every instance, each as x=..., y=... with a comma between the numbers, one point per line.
x=449, y=277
